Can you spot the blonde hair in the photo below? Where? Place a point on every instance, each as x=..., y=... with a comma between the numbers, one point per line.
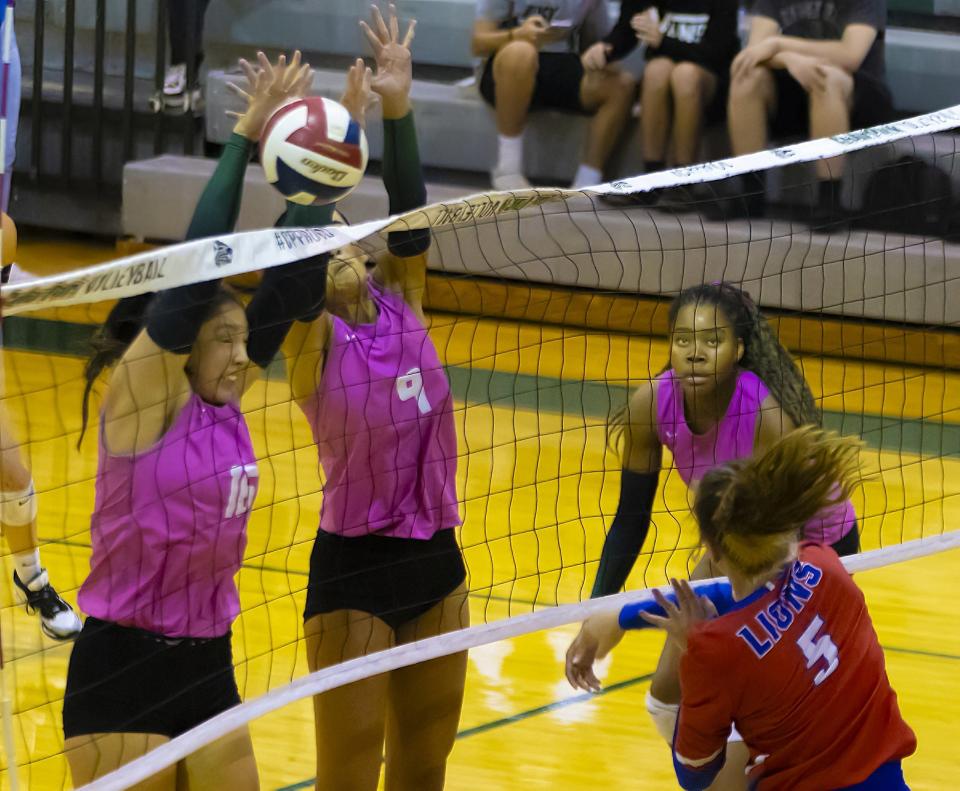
x=753, y=510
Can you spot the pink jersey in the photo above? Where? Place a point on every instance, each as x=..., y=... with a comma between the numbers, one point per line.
x=169, y=527
x=732, y=438
x=382, y=420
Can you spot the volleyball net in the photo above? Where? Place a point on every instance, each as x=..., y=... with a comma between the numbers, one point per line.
x=546, y=308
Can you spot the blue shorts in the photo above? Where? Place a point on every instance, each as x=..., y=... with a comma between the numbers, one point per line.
x=888, y=777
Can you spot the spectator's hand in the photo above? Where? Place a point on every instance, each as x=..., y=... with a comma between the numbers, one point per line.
x=751, y=57
x=647, y=27
x=534, y=29
x=810, y=72
x=268, y=88
x=394, y=64
x=595, y=58
x=357, y=96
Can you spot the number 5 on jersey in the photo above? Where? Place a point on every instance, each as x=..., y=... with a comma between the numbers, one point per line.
x=816, y=648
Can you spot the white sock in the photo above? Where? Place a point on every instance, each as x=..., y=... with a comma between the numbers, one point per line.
x=587, y=177
x=510, y=154
x=28, y=565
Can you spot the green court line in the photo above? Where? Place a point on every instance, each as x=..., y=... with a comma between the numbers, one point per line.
x=588, y=399
x=584, y=697
x=466, y=733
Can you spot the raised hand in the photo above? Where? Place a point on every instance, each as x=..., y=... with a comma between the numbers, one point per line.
x=268, y=88
x=683, y=616
x=394, y=73
x=357, y=96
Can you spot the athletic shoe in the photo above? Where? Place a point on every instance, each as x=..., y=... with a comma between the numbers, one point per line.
x=175, y=82
x=57, y=618
x=508, y=182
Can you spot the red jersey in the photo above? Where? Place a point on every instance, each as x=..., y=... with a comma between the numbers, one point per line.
x=798, y=667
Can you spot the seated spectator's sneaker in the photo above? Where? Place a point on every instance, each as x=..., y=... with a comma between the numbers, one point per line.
x=647, y=199
x=508, y=182
x=57, y=618
x=735, y=198
x=175, y=82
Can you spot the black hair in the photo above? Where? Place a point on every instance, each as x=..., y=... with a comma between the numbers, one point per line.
x=762, y=351
x=112, y=339
x=763, y=354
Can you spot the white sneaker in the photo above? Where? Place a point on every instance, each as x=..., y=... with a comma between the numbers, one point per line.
x=509, y=182
x=175, y=82
x=57, y=618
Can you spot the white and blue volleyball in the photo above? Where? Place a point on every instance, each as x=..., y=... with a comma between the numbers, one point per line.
x=313, y=152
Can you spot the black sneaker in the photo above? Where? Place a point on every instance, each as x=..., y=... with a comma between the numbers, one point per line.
x=57, y=618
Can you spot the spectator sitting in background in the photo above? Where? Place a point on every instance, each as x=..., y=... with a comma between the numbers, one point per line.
x=811, y=68
x=533, y=61
x=689, y=47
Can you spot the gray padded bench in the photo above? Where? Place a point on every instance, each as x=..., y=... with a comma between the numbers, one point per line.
x=175, y=182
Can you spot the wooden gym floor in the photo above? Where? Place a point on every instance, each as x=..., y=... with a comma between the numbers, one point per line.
x=538, y=486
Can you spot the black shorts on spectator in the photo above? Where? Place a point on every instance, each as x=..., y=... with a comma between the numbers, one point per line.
x=534, y=61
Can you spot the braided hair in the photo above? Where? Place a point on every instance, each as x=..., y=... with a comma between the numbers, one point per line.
x=763, y=354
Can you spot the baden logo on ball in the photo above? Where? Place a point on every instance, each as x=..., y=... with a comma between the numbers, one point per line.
x=313, y=152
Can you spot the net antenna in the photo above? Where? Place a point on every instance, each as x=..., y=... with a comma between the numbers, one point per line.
x=6, y=704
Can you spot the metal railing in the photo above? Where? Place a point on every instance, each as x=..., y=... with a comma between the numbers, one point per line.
x=109, y=109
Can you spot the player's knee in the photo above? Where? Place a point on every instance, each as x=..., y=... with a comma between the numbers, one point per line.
x=664, y=716
x=617, y=90
x=18, y=506
x=656, y=75
x=836, y=84
x=749, y=84
x=686, y=82
x=516, y=59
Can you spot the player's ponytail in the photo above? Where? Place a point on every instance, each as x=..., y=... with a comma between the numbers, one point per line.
x=109, y=342
x=752, y=510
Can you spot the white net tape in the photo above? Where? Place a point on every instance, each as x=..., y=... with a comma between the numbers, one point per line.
x=443, y=645
x=234, y=254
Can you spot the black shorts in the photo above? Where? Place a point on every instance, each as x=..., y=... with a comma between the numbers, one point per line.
x=124, y=680
x=872, y=105
x=849, y=544
x=395, y=579
x=557, y=86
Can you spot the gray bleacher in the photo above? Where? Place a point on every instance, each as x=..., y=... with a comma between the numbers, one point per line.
x=456, y=128
x=458, y=137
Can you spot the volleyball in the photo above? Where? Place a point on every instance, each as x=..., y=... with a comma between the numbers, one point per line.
x=313, y=152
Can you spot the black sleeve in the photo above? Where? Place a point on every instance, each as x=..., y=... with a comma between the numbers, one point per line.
x=293, y=292
x=627, y=532
x=767, y=8
x=289, y=293
x=863, y=12
x=176, y=314
x=622, y=37
x=716, y=49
